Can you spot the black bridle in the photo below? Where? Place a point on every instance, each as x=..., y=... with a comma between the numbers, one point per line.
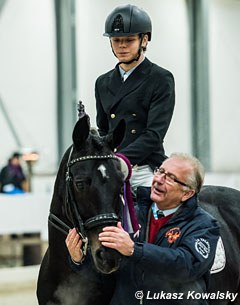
x=76, y=219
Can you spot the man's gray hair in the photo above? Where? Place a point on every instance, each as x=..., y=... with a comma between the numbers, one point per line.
x=196, y=177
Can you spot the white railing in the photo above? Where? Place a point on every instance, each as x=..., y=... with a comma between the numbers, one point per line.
x=25, y=213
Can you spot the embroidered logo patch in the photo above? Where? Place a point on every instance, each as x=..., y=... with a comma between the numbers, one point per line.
x=203, y=247
x=173, y=234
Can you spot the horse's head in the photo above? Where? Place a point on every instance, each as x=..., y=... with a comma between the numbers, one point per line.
x=94, y=188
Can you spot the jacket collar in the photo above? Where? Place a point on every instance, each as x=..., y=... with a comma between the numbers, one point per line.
x=119, y=89
x=144, y=204
x=187, y=207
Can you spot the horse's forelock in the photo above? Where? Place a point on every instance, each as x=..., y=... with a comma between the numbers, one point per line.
x=98, y=145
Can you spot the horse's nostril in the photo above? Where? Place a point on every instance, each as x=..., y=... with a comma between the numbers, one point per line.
x=100, y=254
x=107, y=260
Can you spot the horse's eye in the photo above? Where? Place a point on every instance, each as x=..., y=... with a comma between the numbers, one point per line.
x=122, y=190
x=81, y=184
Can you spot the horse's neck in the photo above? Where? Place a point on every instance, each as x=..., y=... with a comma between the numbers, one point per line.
x=59, y=192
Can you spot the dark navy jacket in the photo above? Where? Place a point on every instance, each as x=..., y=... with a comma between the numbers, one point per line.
x=146, y=102
x=174, y=270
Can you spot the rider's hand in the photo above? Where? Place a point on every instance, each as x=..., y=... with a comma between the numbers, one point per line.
x=74, y=244
x=118, y=239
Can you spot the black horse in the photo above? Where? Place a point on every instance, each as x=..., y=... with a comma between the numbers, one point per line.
x=87, y=195
x=224, y=204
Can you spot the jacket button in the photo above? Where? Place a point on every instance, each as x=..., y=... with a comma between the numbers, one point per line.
x=113, y=115
x=133, y=131
x=134, y=115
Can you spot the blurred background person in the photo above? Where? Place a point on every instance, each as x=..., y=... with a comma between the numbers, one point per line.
x=12, y=177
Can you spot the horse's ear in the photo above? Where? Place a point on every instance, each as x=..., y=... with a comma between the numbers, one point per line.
x=81, y=131
x=115, y=138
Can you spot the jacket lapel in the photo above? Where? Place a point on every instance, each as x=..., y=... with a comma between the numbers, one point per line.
x=119, y=90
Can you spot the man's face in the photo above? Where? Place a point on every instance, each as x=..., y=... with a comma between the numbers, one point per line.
x=166, y=192
x=16, y=161
x=126, y=48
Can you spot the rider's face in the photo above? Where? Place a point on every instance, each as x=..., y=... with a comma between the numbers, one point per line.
x=126, y=48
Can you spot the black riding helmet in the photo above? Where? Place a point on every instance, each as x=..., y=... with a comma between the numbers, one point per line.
x=128, y=20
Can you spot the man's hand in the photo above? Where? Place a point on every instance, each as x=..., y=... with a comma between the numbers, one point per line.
x=118, y=239
x=74, y=244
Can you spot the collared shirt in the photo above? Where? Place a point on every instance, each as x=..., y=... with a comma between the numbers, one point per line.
x=165, y=212
x=125, y=74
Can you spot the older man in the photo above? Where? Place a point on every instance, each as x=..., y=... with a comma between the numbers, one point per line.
x=169, y=262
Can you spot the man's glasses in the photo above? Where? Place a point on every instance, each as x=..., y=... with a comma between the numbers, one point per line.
x=170, y=178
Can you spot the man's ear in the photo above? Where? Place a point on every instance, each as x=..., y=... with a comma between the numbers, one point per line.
x=188, y=194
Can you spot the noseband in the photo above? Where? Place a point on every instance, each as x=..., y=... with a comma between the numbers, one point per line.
x=90, y=223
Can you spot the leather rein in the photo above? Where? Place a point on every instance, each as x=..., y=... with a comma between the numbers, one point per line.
x=77, y=221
